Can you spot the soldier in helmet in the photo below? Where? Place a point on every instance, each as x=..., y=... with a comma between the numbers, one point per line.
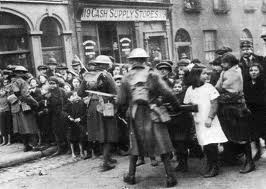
x=140, y=91
x=23, y=106
x=101, y=128
x=52, y=63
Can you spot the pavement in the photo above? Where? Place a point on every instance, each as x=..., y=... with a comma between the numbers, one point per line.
x=13, y=154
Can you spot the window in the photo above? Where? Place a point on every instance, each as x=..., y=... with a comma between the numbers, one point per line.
x=246, y=35
x=221, y=6
x=251, y=6
x=14, y=42
x=52, y=44
x=108, y=38
x=209, y=44
x=183, y=43
x=193, y=6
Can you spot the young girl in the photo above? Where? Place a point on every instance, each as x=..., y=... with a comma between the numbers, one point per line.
x=233, y=112
x=254, y=91
x=208, y=128
x=75, y=113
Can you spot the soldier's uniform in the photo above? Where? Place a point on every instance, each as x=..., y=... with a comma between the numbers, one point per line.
x=148, y=134
x=100, y=128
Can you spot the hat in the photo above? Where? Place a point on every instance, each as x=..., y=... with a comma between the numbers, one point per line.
x=72, y=72
x=20, y=69
x=11, y=67
x=62, y=67
x=53, y=79
x=196, y=61
x=223, y=50
x=118, y=77
x=246, y=43
x=102, y=59
x=52, y=61
x=42, y=67
x=75, y=61
x=164, y=65
x=7, y=72
x=168, y=61
x=183, y=62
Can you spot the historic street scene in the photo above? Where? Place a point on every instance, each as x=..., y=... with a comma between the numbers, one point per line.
x=132, y=94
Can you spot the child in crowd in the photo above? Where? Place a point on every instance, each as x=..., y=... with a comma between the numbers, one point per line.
x=76, y=83
x=208, y=128
x=75, y=113
x=180, y=128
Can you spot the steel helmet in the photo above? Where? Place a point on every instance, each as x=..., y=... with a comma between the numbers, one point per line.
x=138, y=53
x=52, y=61
x=20, y=69
x=102, y=59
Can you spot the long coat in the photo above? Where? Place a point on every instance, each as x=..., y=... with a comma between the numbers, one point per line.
x=24, y=122
x=147, y=138
x=99, y=128
x=255, y=99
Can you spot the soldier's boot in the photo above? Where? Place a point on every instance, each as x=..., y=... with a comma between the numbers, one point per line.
x=106, y=158
x=170, y=177
x=130, y=177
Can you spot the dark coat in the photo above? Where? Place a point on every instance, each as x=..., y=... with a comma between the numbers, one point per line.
x=75, y=131
x=55, y=106
x=147, y=138
x=100, y=128
x=255, y=99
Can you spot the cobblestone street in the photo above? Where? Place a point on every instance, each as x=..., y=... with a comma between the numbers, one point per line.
x=64, y=172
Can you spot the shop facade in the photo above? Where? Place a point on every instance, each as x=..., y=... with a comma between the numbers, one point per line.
x=33, y=31
x=114, y=28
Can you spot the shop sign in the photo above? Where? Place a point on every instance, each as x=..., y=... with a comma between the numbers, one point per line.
x=127, y=14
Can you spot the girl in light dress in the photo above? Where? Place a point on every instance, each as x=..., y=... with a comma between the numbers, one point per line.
x=208, y=128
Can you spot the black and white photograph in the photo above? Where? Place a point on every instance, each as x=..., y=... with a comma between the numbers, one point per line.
x=132, y=94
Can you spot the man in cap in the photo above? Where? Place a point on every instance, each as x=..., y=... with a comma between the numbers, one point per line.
x=42, y=69
x=52, y=63
x=139, y=91
x=101, y=128
x=248, y=58
x=62, y=70
x=165, y=69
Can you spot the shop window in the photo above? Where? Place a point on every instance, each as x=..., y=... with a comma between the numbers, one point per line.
x=246, y=35
x=51, y=39
x=183, y=43
x=209, y=44
x=251, y=6
x=90, y=41
x=192, y=6
x=114, y=39
x=14, y=42
x=221, y=6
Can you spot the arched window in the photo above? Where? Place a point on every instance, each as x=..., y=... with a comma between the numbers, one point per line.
x=246, y=35
x=14, y=42
x=183, y=43
x=52, y=42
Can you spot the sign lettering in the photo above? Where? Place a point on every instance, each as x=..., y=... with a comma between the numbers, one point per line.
x=114, y=14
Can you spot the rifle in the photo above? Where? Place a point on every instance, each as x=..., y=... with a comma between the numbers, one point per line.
x=100, y=93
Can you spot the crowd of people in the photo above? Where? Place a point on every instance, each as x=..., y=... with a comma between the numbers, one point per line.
x=140, y=109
